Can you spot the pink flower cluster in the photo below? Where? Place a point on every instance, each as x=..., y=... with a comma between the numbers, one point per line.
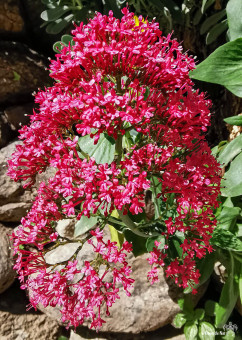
x=80, y=292
x=118, y=77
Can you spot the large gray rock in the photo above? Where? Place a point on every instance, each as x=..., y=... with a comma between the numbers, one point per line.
x=18, y=324
x=27, y=327
x=7, y=274
x=9, y=190
x=14, y=200
x=13, y=212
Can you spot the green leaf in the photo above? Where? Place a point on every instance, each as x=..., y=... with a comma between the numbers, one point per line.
x=231, y=150
x=229, y=294
x=57, y=47
x=174, y=247
x=103, y=151
x=226, y=240
x=210, y=307
x=227, y=203
x=156, y=189
x=57, y=26
x=117, y=224
x=216, y=31
x=223, y=66
x=206, y=331
x=85, y=224
x=179, y=320
x=190, y=330
x=116, y=236
x=227, y=218
x=231, y=185
x=206, y=4
x=197, y=17
x=54, y=14
x=66, y=39
x=230, y=335
x=235, y=120
x=199, y=314
x=147, y=92
x=235, y=89
x=16, y=76
x=239, y=229
x=150, y=242
x=211, y=21
x=234, y=13
x=138, y=242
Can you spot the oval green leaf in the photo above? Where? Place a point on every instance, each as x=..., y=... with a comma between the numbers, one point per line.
x=226, y=240
x=85, y=224
x=234, y=13
x=230, y=151
x=231, y=184
x=223, y=66
x=190, y=330
x=211, y=21
x=66, y=39
x=179, y=320
x=54, y=14
x=103, y=151
x=216, y=31
x=206, y=331
x=229, y=294
x=235, y=120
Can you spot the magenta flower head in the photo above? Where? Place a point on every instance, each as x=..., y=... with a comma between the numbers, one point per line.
x=124, y=130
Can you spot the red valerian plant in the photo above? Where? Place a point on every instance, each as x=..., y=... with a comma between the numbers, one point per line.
x=124, y=130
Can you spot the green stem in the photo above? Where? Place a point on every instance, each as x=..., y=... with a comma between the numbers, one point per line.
x=79, y=4
x=119, y=148
x=156, y=202
x=119, y=88
x=131, y=225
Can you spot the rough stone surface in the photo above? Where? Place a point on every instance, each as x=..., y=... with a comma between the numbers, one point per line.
x=8, y=188
x=14, y=200
x=11, y=20
x=18, y=115
x=21, y=72
x=7, y=274
x=13, y=212
x=18, y=324
x=27, y=327
x=65, y=228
